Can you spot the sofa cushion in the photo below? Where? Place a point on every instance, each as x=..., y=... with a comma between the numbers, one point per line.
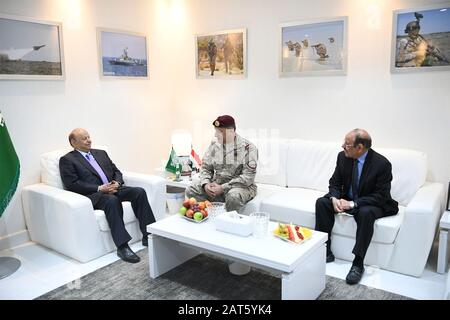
x=128, y=216
x=264, y=191
x=310, y=164
x=297, y=205
x=409, y=171
x=50, y=166
x=271, y=161
x=385, y=229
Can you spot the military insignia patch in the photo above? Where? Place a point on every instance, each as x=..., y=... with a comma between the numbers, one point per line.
x=252, y=164
x=216, y=123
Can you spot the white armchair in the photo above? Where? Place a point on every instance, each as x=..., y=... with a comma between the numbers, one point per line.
x=66, y=222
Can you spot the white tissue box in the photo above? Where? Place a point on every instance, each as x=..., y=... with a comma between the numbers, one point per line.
x=234, y=223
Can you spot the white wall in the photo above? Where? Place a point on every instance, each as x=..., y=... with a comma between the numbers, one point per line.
x=129, y=116
x=399, y=110
x=135, y=118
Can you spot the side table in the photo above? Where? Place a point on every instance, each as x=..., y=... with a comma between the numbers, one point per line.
x=444, y=228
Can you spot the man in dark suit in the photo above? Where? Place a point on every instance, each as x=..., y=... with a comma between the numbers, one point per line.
x=91, y=172
x=360, y=186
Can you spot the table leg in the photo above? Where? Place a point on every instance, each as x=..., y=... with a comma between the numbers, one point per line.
x=307, y=281
x=442, y=253
x=165, y=254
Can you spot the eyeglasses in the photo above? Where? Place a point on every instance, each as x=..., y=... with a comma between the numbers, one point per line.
x=347, y=146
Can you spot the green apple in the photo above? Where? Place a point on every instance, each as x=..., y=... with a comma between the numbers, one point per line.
x=183, y=211
x=198, y=216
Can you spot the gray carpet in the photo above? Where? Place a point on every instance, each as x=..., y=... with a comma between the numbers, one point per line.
x=202, y=278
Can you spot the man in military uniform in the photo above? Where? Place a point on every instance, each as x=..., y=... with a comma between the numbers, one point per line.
x=212, y=54
x=415, y=50
x=228, y=168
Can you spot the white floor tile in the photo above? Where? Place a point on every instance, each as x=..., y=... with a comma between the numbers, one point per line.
x=43, y=270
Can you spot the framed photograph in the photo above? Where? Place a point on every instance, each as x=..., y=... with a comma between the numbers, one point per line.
x=122, y=54
x=221, y=55
x=30, y=49
x=421, y=39
x=313, y=47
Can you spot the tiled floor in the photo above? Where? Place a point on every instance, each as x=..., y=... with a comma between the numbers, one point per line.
x=43, y=270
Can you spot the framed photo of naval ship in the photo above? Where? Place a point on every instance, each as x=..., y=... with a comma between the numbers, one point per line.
x=30, y=49
x=421, y=39
x=313, y=47
x=122, y=54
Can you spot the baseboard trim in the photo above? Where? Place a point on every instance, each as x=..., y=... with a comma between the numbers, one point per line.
x=14, y=239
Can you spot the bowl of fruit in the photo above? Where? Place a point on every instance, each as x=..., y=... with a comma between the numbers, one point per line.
x=194, y=211
x=292, y=233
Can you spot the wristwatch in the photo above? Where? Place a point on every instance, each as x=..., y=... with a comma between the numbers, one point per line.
x=353, y=205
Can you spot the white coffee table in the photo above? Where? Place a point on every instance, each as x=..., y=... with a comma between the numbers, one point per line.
x=175, y=240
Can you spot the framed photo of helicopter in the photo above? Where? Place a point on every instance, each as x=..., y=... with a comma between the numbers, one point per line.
x=421, y=39
x=30, y=49
x=313, y=47
x=122, y=54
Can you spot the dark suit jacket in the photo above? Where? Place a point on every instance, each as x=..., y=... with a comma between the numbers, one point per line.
x=374, y=185
x=79, y=176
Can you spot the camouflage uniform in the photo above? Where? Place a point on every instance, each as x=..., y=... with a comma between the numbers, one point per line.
x=233, y=166
x=411, y=52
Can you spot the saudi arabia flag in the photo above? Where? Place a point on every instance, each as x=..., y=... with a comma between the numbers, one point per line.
x=9, y=167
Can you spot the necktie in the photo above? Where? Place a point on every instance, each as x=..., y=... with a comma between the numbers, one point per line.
x=355, y=180
x=97, y=168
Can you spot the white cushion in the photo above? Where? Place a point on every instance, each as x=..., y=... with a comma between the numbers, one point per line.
x=263, y=192
x=294, y=205
x=310, y=164
x=409, y=171
x=50, y=166
x=385, y=229
x=297, y=205
x=271, y=161
x=128, y=216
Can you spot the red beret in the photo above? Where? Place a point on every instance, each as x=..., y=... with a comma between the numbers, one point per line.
x=224, y=122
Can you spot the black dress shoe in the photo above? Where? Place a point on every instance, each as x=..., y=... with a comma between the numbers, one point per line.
x=330, y=257
x=354, y=275
x=126, y=254
x=145, y=242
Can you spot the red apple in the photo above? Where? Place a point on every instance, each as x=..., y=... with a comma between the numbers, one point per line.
x=190, y=213
x=186, y=204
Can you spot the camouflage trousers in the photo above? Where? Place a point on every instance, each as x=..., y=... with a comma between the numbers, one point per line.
x=234, y=199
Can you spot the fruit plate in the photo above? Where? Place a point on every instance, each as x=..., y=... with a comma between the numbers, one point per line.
x=290, y=241
x=192, y=220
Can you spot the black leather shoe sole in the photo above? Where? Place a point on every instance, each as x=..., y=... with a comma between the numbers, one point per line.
x=145, y=242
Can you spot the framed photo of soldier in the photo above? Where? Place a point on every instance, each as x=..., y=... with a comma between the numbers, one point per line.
x=421, y=39
x=122, y=54
x=30, y=49
x=221, y=55
x=313, y=47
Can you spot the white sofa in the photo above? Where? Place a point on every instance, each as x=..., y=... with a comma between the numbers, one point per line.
x=292, y=174
x=66, y=221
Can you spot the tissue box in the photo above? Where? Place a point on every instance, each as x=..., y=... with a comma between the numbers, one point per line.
x=234, y=223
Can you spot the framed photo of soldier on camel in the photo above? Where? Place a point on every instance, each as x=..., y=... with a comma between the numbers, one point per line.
x=221, y=55
x=421, y=39
x=313, y=47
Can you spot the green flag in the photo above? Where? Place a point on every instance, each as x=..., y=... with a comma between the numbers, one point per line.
x=9, y=167
x=171, y=165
